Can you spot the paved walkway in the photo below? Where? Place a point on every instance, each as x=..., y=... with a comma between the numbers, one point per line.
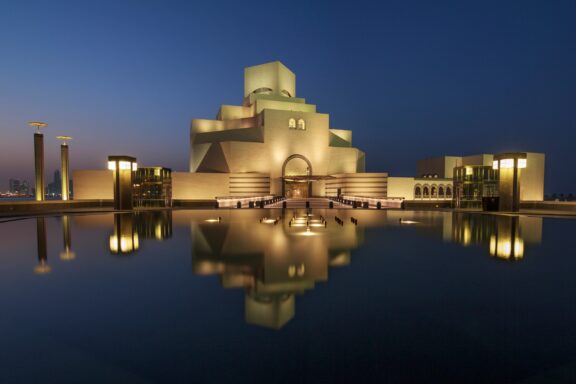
x=315, y=202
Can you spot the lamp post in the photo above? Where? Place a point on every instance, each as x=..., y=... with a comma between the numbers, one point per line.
x=64, y=162
x=509, y=166
x=39, y=158
x=123, y=168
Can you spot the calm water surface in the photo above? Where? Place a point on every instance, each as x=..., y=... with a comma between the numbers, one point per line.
x=283, y=297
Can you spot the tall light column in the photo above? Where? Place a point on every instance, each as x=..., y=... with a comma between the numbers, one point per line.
x=64, y=162
x=509, y=166
x=124, y=168
x=39, y=158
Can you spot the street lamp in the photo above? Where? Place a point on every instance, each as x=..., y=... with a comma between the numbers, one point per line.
x=39, y=157
x=64, y=162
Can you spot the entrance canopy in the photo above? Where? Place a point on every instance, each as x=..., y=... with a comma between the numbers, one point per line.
x=305, y=178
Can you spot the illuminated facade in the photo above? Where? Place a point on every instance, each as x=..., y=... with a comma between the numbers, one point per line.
x=274, y=143
x=467, y=179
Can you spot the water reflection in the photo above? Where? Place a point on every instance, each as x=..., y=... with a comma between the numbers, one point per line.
x=272, y=259
x=67, y=253
x=130, y=229
x=505, y=236
x=124, y=239
x=42, y=267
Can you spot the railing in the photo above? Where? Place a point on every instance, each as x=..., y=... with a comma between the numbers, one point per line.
x=370, y=202
x=245, y=201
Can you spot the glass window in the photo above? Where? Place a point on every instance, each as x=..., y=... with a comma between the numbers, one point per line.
x=292, y=123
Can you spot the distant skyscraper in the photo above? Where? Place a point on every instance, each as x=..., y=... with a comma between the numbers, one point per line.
x=19, y=187
x=55, y=187
x=14, y=185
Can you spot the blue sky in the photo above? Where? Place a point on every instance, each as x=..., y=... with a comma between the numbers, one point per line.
x=412, y=79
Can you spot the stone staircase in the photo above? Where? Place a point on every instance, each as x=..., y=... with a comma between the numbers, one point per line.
x=315, y=203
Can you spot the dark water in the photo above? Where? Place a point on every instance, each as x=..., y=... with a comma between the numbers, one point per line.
x=401, y=297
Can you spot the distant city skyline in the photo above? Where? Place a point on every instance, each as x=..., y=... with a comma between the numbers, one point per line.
x=411, y=79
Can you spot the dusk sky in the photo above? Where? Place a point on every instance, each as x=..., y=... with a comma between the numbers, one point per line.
x=411, y=79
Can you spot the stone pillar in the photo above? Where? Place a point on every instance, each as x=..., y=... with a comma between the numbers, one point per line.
x=65, y=178
x=39, y=165
x=124, y=168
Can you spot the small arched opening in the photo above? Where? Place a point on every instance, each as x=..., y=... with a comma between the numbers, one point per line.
x=417, y=192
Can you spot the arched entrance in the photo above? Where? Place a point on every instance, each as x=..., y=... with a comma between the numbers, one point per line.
x=296, y=171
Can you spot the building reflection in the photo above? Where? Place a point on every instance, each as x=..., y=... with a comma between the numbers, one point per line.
x=42, y=267
x=131, y=228
x=67, y=253
x=505, y=236
x=156, y=225
x=272, y=259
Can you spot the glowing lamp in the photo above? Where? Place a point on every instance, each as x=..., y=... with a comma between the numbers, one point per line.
x=506, y=163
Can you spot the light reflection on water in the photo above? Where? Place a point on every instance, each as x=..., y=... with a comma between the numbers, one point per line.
x=275, y=258
x=405, y=277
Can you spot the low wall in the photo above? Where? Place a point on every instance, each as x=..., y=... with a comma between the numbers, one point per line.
x=8, y=207
x=549, y=205
x=194, y=203
x=426, y=204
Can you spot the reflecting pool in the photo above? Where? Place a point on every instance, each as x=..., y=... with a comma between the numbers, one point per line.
x=263, y=295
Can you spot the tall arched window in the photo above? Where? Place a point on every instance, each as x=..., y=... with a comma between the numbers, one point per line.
x=434, y=190
x=426, y=192
x=418, y=193
x=292, y=123
x=441, y=192
x=301, y=124
x=448, y=192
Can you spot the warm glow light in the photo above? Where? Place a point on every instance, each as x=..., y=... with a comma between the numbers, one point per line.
x=506, y=163
x=113, y=243
x=126, y=244
x=495, y=164
x=124, y=165
x=521, y=163
x=158, y=231
x=42, y=269
x=134, y=166
x=112, y=165
x=493, y=245
x=467, y=236
x=469, y=171
x=67, y=255
x=518, y=249
x=308, y=232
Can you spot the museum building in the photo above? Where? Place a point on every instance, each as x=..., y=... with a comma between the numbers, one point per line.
x=273, y=144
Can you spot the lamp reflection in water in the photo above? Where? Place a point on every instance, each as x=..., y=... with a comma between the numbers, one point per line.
x=125, y=239
x=272, y=263
x=507, y=242
x=130, y=229
x=42, y=267
x=67, y=254
x=505, y=236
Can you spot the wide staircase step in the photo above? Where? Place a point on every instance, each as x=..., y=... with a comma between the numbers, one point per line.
x=315, y=202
